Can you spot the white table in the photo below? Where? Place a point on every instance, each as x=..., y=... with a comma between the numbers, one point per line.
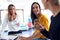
x=12, y=37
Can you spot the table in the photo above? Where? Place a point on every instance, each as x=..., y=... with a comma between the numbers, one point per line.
x=27, y=33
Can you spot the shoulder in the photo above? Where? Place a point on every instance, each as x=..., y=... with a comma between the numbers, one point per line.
x=5, y=17
x=17, y=18
x=43, y=17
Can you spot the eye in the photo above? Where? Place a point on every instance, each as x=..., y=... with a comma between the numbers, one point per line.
x=36, y=6
x=10, y=9
x=32, y=7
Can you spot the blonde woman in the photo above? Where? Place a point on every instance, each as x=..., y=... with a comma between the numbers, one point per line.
x=11, y=20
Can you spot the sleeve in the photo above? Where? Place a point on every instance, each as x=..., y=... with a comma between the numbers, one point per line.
x=4, y=24
x=18, y=21
x=59, y=33
x=45, y=23
x=45, y=33
x=36, y=33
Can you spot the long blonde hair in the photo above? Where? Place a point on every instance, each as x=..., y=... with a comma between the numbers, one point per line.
x=9, y=14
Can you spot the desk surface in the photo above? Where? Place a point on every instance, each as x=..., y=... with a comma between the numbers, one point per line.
x=25, y=34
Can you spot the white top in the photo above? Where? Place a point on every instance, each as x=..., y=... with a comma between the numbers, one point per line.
x=12, y=25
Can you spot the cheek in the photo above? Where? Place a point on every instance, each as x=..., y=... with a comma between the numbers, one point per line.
x=10, y=11
x=43, y=1
x=13, y=11
x=34, y=11
x=39, y=10
x=45, y=6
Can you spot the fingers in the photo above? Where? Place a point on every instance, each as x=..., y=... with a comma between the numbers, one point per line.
x=38, y=26
x=22, y=38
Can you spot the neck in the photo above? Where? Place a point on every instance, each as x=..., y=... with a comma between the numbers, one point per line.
x=55, y=10
x=38, y=15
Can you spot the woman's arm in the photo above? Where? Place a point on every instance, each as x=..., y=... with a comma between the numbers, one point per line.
x=4, y=24
x=36, y=34
x=43, y=26
x=45, y=33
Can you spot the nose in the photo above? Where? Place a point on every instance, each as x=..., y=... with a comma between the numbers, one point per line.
x=35, y=10
x=12, y=10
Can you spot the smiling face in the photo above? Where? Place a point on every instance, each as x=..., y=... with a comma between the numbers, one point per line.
x=36, y=9
x=12, y=10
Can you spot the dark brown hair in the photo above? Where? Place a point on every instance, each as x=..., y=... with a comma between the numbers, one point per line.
x=33, y=16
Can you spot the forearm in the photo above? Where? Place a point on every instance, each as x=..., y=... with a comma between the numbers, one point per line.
x=45, y=33
x=35, y=35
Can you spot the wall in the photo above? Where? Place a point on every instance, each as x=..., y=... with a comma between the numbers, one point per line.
x=25, y=5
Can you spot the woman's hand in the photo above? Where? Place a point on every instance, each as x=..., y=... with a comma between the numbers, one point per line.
x=37, y=25
x=23, y=38
x=17, y=24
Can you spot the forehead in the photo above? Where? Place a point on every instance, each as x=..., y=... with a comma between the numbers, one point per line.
x=11, y=7
x=35, y=5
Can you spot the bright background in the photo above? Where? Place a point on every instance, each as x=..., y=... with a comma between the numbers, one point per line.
x=23, y=9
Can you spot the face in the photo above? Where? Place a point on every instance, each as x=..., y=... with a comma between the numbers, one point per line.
x=12, y=10
x=36, y=9
x=45, y=4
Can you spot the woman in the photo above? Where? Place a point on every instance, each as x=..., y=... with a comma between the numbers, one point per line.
x=54, y=31
x=11, y=20
x=36, y=14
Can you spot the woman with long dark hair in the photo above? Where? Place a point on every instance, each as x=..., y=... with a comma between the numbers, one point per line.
x=37, y=16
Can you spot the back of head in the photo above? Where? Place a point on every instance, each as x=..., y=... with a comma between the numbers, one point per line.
x=55, y=2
